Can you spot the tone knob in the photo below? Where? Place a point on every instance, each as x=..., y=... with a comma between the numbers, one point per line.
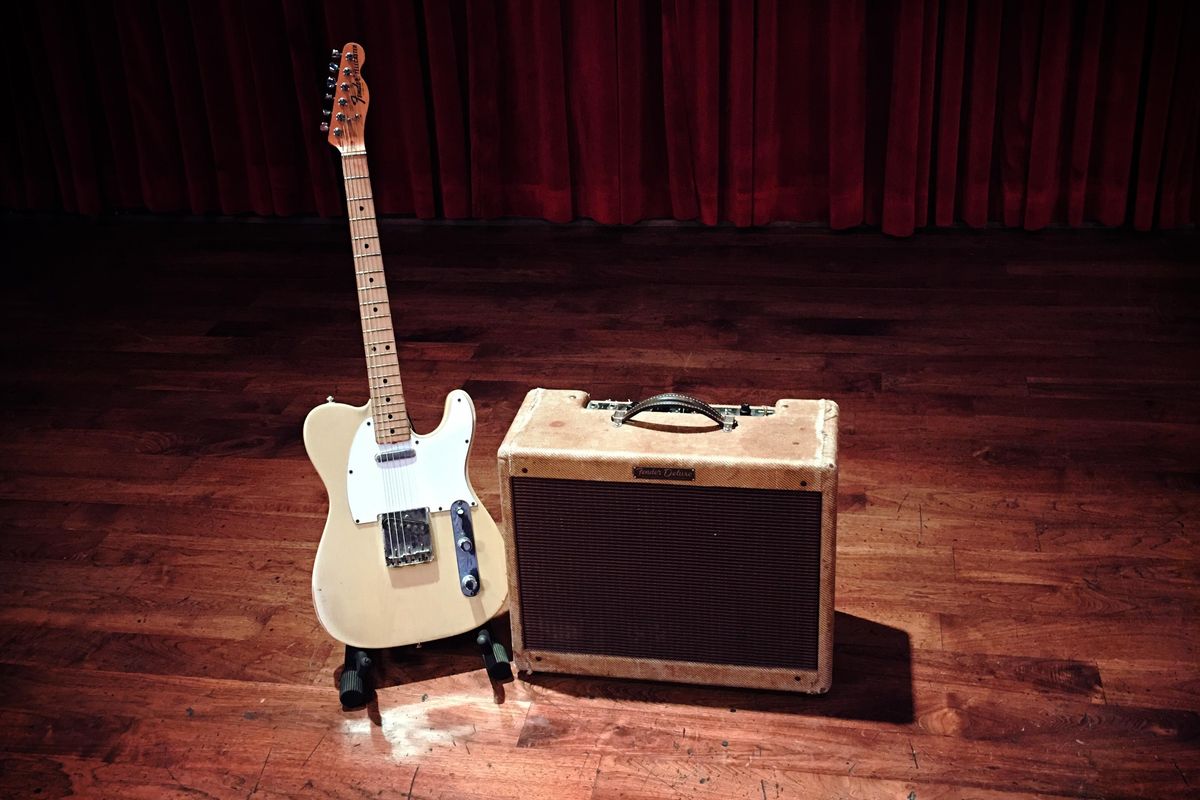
x=470, y=584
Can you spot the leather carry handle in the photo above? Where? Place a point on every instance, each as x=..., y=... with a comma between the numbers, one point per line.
x=669, y=400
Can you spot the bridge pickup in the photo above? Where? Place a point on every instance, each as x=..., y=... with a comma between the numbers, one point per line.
x=407, y=537
x=464, y=547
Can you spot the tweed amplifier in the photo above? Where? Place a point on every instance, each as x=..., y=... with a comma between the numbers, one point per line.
x=672, y=540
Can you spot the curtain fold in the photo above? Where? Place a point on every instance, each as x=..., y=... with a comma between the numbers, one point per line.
x=899, y=115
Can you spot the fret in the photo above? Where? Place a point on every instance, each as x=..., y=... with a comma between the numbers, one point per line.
x=373, y=303
x=388, y=329
x=364, y=197
x=376, y=316
x=359, y=219
x=368, y=236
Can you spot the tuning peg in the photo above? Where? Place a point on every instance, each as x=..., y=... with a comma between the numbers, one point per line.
x=325, y=113
x=330, y=82
x=333, y=65
x=336, y=54
x=328, y=96
x=324, y=127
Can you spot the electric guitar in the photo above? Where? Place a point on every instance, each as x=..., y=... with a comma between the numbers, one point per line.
x=408, y=554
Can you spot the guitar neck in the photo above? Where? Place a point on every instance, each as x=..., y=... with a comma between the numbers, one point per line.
x=379, y=340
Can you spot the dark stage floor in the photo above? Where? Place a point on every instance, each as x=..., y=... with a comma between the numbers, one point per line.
x=1018, y=539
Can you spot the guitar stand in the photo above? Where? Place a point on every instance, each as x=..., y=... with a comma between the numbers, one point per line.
x=357, y=686
x=495, y=658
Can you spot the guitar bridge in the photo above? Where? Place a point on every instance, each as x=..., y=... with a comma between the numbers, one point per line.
x=407, y=537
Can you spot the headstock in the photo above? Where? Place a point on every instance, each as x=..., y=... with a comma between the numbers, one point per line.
x=346, y=100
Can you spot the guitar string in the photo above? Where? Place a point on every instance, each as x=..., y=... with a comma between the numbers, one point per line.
x=353, y=190
x=396, y=488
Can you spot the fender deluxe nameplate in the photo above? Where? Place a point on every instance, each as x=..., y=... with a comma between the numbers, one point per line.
x=665, y=473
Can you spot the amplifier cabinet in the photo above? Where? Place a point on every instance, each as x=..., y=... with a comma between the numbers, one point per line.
x=669, y=546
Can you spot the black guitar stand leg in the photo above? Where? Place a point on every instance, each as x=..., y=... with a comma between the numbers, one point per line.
x=495, y=658
x=356, y=686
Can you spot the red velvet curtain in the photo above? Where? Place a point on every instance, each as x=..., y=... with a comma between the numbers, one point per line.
x=895, y=114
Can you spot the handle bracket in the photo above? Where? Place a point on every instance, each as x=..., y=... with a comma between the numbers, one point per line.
x=673, y=401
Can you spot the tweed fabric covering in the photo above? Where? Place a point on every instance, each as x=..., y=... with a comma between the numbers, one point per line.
x=555, y=436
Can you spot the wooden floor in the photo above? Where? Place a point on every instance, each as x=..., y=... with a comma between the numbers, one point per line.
x=1019, y=536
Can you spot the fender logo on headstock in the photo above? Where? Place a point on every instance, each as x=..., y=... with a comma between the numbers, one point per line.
x=356, y=80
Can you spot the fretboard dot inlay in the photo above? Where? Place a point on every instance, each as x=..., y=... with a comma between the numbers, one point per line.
x=385, y=380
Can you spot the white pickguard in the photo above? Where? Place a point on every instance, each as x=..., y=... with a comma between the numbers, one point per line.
x=433, y=478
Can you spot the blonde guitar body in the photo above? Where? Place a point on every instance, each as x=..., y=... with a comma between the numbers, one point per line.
x=361, y=600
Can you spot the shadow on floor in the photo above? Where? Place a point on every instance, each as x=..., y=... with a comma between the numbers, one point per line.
x=872, y=676
x=872, y=680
